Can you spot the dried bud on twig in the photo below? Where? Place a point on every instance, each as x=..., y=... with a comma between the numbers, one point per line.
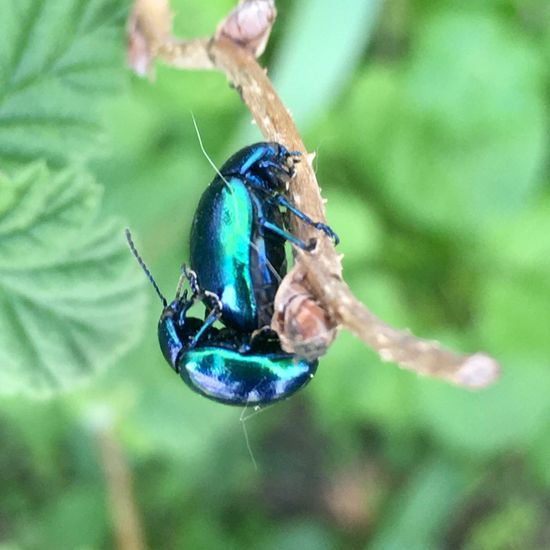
x=303, y=326
x=150, y=23
x=249, y=25
x=139, y=56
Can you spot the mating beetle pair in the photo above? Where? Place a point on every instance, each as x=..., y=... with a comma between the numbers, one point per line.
x=238, y=260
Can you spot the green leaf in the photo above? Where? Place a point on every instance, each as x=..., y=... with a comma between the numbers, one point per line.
x=70, y=293
x=513, y=312
x=505, y=416
x=419, y=512
x=518, y=520
x=522, y=242
x=361, y=240
x=301, y=534
x=57, y=61
x=539, y=457
x=457, y=135
x=77, y=519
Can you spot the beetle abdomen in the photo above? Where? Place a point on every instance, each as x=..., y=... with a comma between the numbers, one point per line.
x=234, y=378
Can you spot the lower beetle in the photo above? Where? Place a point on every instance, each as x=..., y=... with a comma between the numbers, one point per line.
x=224, y=365
x=238, y=234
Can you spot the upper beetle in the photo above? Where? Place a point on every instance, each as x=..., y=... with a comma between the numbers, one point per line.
x=238, y=233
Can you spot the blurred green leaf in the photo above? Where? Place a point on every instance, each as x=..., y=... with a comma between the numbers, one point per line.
x=360, y=240
x=513, y=526
x=199, y=18
x=419, y=512
x=503, y=417
x=306, y=535
x=78, y=519
x=457, y=134
x=57, y=61
x=512, y=315
x=539, y=455
x=73, y=301
x=521, y=243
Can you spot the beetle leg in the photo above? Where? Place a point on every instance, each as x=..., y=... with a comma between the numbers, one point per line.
x=211, y=318
x=277, y=167
x=276, y=173
x=214, y=301
x=261, y=333
x=191, y=277
x=308, y=247
x=282, y=201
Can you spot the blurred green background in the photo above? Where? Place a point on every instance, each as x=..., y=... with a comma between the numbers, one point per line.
x=430, y=122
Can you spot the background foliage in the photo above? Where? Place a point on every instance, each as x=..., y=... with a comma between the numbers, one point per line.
x=430, y=120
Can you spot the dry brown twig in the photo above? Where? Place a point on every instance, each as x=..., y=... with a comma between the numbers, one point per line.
x=239, y=39
x=119, y=484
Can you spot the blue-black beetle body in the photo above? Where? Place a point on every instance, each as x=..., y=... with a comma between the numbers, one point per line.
x=238, y=252
x=238, y=234
x=224, y=366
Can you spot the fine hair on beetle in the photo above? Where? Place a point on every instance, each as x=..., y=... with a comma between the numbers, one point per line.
x=231, y=191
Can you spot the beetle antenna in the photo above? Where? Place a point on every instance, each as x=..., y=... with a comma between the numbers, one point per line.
x=143, y=266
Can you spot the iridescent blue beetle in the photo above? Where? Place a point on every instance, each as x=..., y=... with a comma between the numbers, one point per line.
x=224, y=365
x=238, y=234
